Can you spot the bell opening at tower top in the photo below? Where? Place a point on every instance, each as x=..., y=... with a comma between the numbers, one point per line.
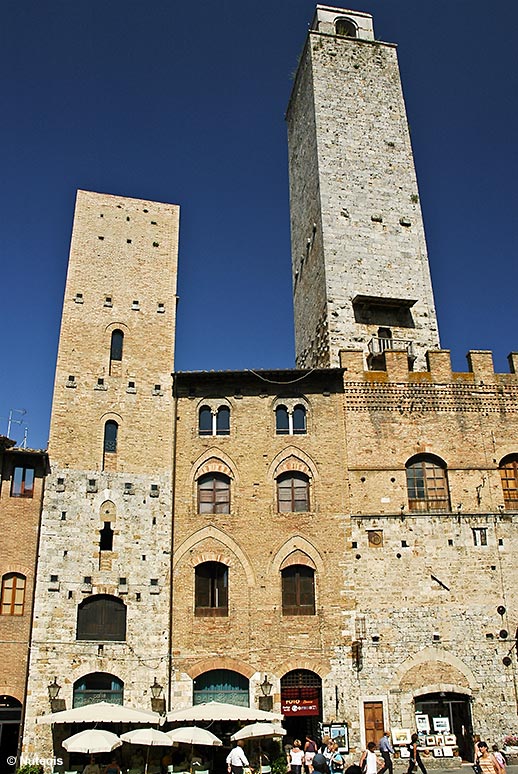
x=342, y=22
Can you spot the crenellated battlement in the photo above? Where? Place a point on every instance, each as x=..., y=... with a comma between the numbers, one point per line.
x=396, y=368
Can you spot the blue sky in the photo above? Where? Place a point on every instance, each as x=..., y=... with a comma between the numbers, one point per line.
x=184, y=103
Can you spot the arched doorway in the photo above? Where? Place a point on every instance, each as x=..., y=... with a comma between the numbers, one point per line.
x=221, y=685
x=457, y=708
x=301, y=703
x=10, y=718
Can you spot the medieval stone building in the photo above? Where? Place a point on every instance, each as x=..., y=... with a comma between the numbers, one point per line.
x=342, y=532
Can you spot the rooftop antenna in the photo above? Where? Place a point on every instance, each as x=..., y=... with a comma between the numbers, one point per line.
x=11, y=420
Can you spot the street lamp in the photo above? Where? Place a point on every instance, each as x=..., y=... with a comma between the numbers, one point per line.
x=157, y=701
x=53, y=689
x=266, y=699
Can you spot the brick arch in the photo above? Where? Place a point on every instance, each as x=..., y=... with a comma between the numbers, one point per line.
x=211, y=556
x=299, y=544
x=440, y=662
x=298, y=557
x=211, y=532
x=413, y=679
x=8, y=690
x=21, y=569
x=111, y=415
x=214, y=461
x=292, y=458
x=319, y=666
x=117, y=326
x=220, y=662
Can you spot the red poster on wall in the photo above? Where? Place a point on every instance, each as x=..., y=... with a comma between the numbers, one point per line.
x=300, y=706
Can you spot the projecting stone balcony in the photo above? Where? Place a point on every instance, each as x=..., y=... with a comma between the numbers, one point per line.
x=378, y=345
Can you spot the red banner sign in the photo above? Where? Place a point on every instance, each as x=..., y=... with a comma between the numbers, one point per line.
x=299, y=706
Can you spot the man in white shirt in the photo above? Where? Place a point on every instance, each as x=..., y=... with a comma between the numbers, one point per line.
x=236, y=759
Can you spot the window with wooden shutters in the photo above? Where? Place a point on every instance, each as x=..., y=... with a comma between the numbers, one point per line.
x=211, y=589
x=509, y=478
x=13, y=594
x=101, y=617
x=298, y=590
x=293, y=492
x=214, y=493
x=427, y=485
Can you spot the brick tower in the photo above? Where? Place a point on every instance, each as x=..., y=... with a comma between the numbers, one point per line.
x=102, y=596
x=360, y=268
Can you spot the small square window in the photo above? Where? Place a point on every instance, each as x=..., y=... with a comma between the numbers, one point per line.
x=108, y=301
x=154, y=581
x=100, y=381
x=128, y=241
x=87, y=579
x=155, y=244
x=78, y=298
x=123, y=581
x=135, y=305
x=161, y=308
x=54, y=578
x=101, y=238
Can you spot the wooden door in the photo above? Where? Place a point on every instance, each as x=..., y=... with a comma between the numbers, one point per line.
x=373, y=717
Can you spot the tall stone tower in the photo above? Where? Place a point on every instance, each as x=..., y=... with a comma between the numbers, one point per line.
x=360, y=268
x=102, y=595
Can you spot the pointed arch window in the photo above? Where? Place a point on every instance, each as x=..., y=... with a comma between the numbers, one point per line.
x=427, y=485
x=509, y=477
x=211, y=589
x=298, y=590
x=13, y=594
x=293, y=492
x=214, y=493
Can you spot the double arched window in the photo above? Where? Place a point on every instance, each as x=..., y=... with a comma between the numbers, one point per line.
x=214, y=421
x=211, y=589
x=290, y=420
x=292, y=492
x=509, y=477
x=214, y=493
x=101, y=617
x=427, y=484
x=13, y=594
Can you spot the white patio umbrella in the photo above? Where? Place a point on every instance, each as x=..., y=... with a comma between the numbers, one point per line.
x=93, y=740
x=102, y=712
x=147, y=737
x=258, y=731
x=215, y=710
x=193, y=735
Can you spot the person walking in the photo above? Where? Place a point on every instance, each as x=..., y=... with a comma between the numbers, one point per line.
x=296, y=757
x=487, y=761
x=500, y=757
x=386, y=751
x=236, y=759
x=310, y=748
x=415, y=758
x=369, y=761
x=336, y=762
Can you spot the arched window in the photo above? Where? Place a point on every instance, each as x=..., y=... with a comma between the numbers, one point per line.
x=427, y=485
x=293, y=492
x=223, y=421
x=214, y=493
x=346, y=28
x=13, y=594
x=282, y=424
x=211, y=589
x=214, y=422
x=116, y=345
x=299, y=420
x=509, y=477
x=298, y=590
x=223, y=685
x=101, y=617
x=110, y=436
x=96, y=687
x=205, y=421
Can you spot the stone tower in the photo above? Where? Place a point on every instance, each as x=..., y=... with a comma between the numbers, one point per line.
x=360, y=268
x=102, y=595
